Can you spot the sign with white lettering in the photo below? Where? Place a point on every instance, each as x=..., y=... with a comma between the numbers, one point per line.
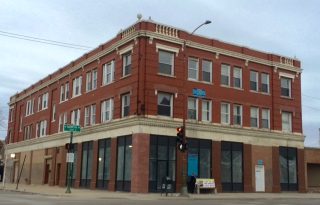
x=198, y=92
x=70, y=157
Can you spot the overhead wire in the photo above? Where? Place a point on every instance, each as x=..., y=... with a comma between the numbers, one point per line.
x=44, y=41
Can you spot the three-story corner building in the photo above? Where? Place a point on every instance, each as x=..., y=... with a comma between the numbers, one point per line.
x=242, y=109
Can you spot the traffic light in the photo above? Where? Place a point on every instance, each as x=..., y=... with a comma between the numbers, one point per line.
x=181, y=139
x=68, y=146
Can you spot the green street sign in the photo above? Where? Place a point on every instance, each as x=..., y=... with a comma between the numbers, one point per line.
x=71, y=128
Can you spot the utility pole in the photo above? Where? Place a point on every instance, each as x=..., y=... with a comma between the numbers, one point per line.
x=184, y=190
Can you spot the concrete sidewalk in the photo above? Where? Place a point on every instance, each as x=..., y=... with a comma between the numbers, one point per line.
x=87, y=193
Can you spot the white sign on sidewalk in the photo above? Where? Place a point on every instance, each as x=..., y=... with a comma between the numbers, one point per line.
x=70, y=157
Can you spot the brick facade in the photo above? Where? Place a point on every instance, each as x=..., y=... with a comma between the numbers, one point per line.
x=145, y=40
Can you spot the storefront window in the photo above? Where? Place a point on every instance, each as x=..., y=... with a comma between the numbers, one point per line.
x=232, y=166
x=288, y=168
x=103, y=175
x=124, y=163
x=162, y=161
x=86, y=168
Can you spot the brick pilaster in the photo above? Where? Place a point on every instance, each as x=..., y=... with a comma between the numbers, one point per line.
x=247, y=168
x=113, y=165
x=216, y=164
x=93, y=182
x=275, y=170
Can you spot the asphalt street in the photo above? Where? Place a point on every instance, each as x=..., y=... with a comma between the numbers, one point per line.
x=16, y=198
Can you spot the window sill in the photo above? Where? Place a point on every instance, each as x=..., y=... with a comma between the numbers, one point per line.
x=193, y=80
x=126, y=76
x=225, y=86
x=286, y=97
x=236, y=88
x=88, y=91
x=103, y=85
x=64, y=101
x=166, y=75
x=75, y=96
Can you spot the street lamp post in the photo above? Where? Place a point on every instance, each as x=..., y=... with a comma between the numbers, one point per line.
x=184, y=190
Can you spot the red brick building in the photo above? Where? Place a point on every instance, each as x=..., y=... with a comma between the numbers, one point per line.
x=242, y=109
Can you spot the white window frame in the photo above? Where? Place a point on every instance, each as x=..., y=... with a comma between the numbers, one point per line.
x=196, y=69
x=90, y=115
x=88, y=81
x=267, y=112
x=126, y=62
x=39, y=103
x=227, y=114
x=53, y=113
x=63, y=119
x=289, y=119
x=205, y=71
x=195, y=100
x=44, y=104
x=256, y=80
x=75, y=117
x=107, y=110
x=29, y=107
x=235, y=114
x=171, y=63
x=123, y=97
x=290, y=86
x=76, y=84
x=252, y=110
x=43, y=128
x=267, y=83
x=206, y=111
x=108, y=70
x=227, y=67
x=236, y=77
x=171, y=103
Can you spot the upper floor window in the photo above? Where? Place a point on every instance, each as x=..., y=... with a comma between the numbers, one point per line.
x=90, y=115
x=91, y=80
x=126, y=60
x=237, y=115
x=254, y=81
x=53, y=112
x=265, y=82
x=45, y=101
x=206, y=110
x=63, y=119
x=125, y=105
x=11, y=114
x=165, y=104
x=285, y=87
x=192, y=108
x=254, y=117
x=207, y=71
x=225, y=75
x=108, y=73
x=193, y=69
x=75, y=117
x=287, y=121
x=107, y=110
x=225, y=113
x=237, y=77
x=27, y=132
x=166, y=62
x=29, y=107
x=77, y=82
x=64, y=92
x=41, y=128
x=265, y=118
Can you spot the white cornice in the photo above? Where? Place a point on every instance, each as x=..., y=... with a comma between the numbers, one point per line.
x=135, y=34
x=159, y=126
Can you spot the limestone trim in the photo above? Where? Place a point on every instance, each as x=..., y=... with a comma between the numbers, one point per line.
x=161, y=126
x=167, y=48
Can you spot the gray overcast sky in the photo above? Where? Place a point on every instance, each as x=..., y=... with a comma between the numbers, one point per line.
x=287, y=27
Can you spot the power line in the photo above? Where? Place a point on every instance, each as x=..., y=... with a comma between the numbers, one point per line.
x=311, y=97
x=44, y=41
x=313, y=108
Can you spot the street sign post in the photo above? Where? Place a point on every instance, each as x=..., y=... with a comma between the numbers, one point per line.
x=70, y=154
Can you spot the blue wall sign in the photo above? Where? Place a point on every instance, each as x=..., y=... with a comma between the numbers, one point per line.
x=193, y=164
x=198, y=92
